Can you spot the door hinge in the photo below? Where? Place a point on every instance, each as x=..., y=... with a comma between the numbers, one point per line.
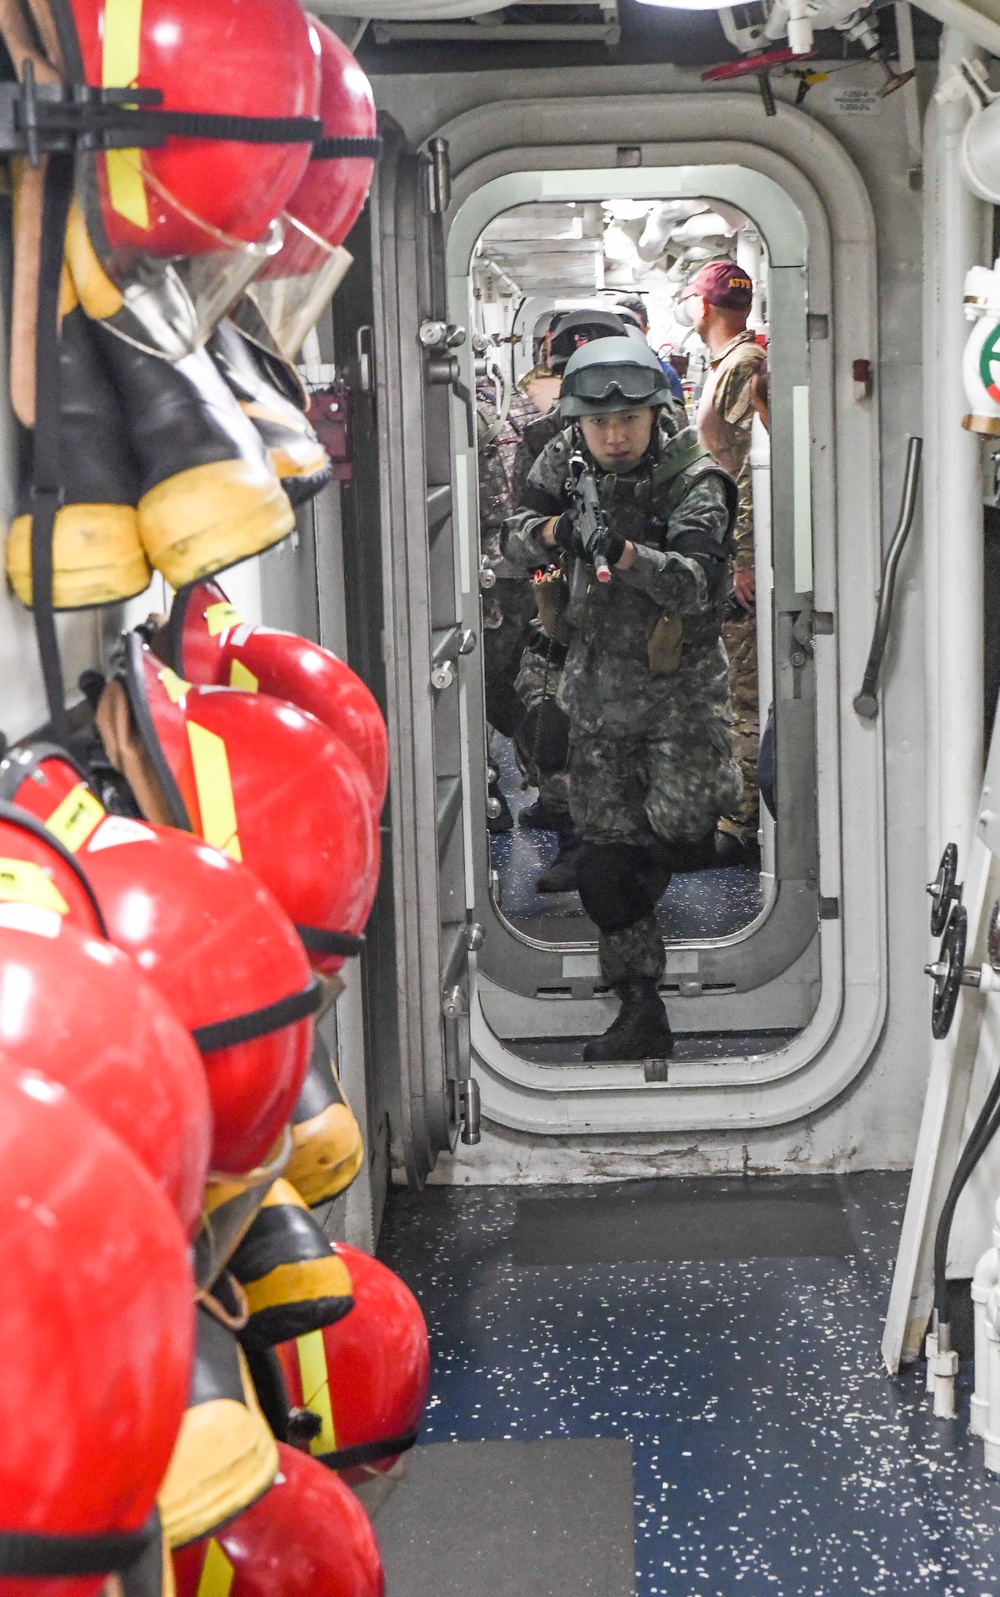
x=438, y=177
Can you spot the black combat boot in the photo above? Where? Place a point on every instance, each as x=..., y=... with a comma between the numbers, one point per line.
x=639, y=1031
x=561, y=874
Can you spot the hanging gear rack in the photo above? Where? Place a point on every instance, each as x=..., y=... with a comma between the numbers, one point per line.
x=53, y=122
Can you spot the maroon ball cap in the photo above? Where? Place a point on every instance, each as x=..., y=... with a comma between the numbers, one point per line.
x=721, y=283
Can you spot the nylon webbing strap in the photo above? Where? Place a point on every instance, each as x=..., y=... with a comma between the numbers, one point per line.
x=28, y=1553
x=46, y=470
x=258, y=1022
x=318, y=941
x=346, y=149
x=368, y=1452
x=139, y=122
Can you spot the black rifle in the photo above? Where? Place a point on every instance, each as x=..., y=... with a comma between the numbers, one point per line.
x=589, y=516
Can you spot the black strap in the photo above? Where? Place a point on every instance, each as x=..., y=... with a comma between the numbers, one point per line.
x=368, y=1452
x=46, y=490
x=259, y=1022
x=31, y=1553
x=27, y=823
x=135, y=687
x=318, y=941
x=346, y=149
x=142, y=125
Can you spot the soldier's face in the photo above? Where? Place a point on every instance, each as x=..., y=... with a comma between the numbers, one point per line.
x=620, y=439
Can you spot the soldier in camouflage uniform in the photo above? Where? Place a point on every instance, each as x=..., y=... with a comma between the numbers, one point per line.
x=508, y=603
x=645, y=682
x=722, y=295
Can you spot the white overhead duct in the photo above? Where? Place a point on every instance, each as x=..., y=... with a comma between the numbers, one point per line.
x=699, y=229
x=661, y=223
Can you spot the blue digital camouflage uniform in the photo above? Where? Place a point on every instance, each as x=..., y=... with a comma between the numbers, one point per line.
x=646, y=682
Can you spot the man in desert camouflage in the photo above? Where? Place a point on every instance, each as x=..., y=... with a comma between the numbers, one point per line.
x=721, y=296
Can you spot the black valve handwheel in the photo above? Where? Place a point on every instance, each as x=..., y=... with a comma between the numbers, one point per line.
x=947, y=972
x=943, y=891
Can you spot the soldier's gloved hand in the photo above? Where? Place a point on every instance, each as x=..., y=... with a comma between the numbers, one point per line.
x=567, y=537
x=615, y=548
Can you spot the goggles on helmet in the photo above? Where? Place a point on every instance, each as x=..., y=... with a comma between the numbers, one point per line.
x=640, y=384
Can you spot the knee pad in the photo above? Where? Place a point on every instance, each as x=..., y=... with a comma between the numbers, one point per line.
x=543, y=737
x=613, y=880
x=504, y=710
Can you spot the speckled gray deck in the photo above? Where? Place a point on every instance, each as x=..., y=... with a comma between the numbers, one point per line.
x=511, y=1519
x=773, y=1455
x=773, y=1217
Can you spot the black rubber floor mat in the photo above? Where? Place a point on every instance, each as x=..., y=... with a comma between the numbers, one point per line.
x=511, y=1519
x=699, y=1218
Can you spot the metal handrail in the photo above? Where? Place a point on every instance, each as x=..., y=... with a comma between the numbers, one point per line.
x=866, y=702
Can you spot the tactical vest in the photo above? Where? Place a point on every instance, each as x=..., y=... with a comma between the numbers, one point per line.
x=640, y=506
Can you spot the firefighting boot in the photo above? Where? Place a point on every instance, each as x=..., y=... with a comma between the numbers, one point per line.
x=293, y=1280
x=225, y=1456
x=640, y=1030
x=96, y=555
x=328, y=1150
x=270, y=394
x=208, y=495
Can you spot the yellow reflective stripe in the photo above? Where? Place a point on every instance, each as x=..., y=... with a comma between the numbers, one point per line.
x=240, y=677
x=219, y=617
x=303, y=1282
x=22, y=882
x=120, y=69
x=215, y=790
x=174, y=686
x=75, y=818
x=217, y=1573
x=122, y=32
x=315, y=1380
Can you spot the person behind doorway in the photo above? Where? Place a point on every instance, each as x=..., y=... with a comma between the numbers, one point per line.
x=541, y=739
x=721, y=296
x=508, y=603
x=645, y=683
x=635, y=306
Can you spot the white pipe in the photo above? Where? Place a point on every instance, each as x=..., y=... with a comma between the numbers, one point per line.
x=991, y=1434
x=984, y=1280
x=953, y=508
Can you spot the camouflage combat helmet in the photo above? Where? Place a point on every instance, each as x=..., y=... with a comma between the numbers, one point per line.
x=612, y=374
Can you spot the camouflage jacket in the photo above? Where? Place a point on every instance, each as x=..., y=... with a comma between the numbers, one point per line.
x=502, y=470
x=678, y=508
x=725, y=417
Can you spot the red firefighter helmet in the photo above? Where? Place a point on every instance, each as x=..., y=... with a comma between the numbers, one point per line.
x=334, y=187
x=207, y=641
x=76, y=1009
x=367, y=1376
x=97, y=1329
x=308, y=1536
x=39, y=878
x=208, y=935
x=270, y=785
x=254, y=58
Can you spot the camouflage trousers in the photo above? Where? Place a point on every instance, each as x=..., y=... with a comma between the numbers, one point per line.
x=506, y=619
x=740, y=639
x=538, y=679
x=636, y=790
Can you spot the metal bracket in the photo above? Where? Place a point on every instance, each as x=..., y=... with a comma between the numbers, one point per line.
x=449, y=647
